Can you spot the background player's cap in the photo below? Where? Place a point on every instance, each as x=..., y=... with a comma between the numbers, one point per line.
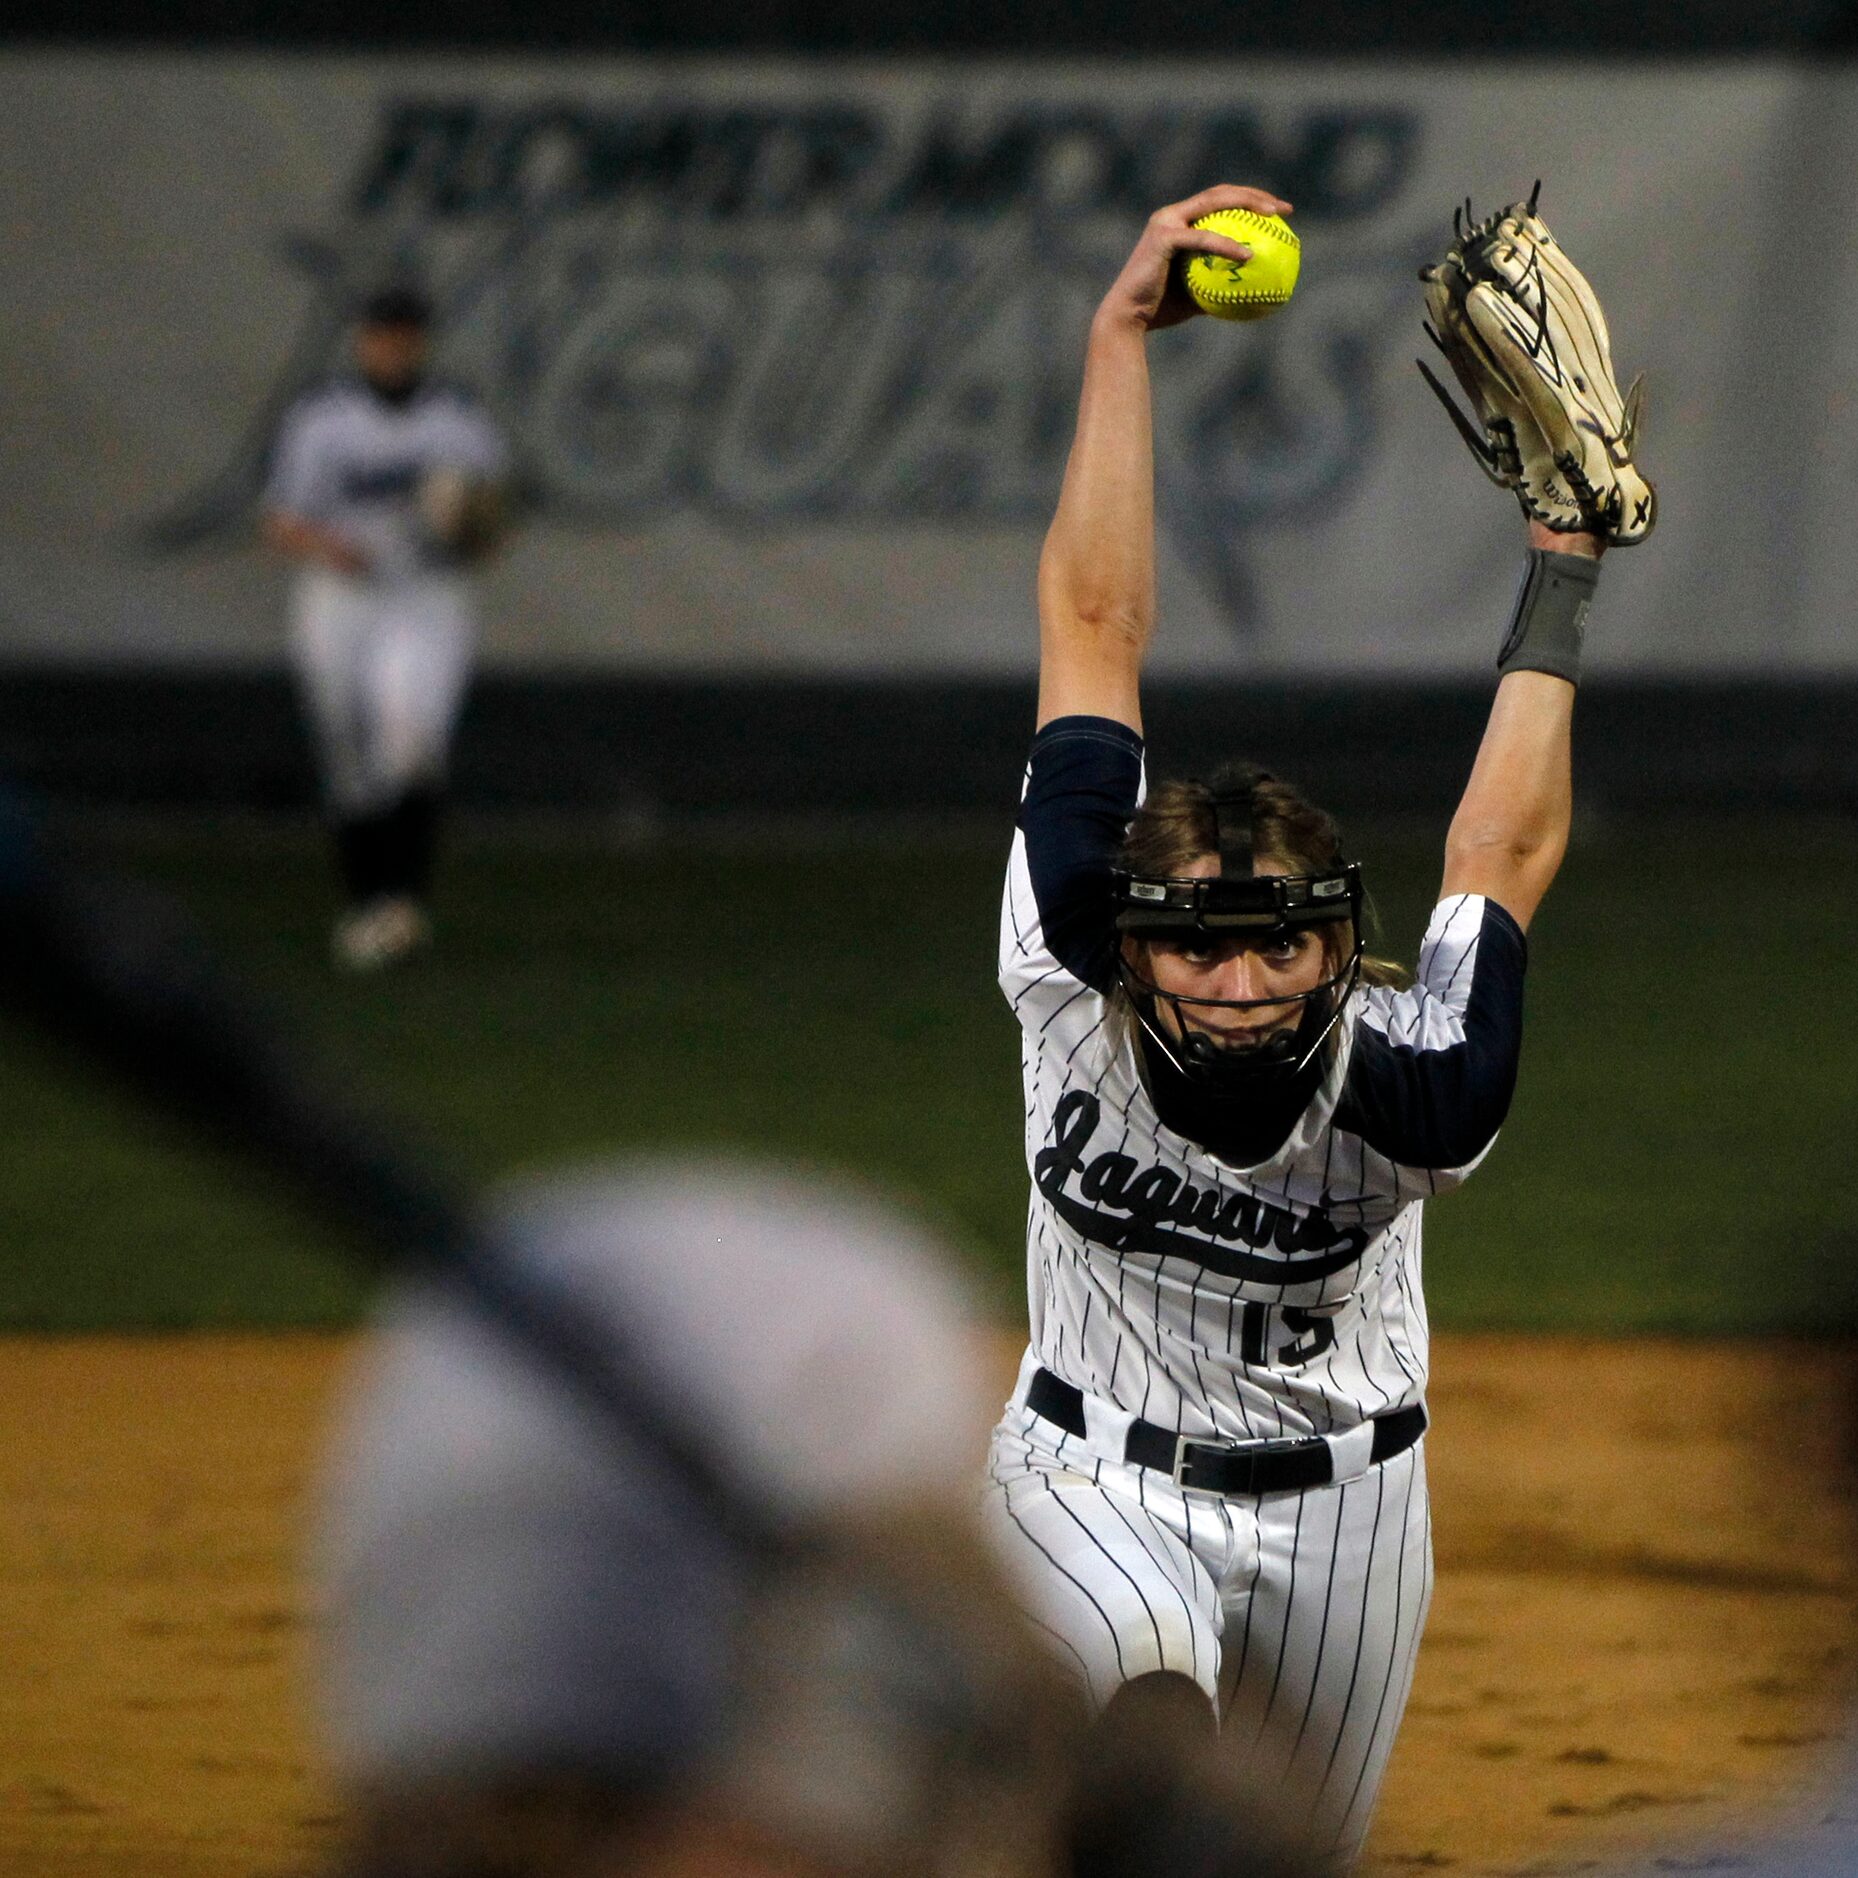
x=512, y=1582
x=396, y=303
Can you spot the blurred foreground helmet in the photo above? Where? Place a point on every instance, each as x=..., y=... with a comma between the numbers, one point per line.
x=539, y=1634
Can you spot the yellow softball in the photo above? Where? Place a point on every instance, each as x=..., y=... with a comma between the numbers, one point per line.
x=1245, y=290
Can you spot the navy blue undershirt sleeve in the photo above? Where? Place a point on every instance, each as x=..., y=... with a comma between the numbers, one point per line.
x=1082, y=787
x=1440, y=1108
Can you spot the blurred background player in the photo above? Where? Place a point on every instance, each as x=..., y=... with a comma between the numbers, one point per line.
x=384, y=487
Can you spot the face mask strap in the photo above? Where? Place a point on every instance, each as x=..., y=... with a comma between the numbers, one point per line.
x=1234, y=809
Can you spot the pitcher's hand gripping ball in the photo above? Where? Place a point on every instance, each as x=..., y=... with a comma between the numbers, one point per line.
x=1525, y=336
x=1245, y=290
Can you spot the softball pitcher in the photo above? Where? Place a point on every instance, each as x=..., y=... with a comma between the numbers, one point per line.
x=1210, y=1480
x=383, y=488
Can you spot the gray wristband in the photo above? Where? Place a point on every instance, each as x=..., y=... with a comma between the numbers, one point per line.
x=1550, y=615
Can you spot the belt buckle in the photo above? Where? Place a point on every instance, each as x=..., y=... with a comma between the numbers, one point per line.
x=1252, y=1450
x=1183, y=1458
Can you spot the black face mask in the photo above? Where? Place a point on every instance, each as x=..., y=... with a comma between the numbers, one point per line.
x=1241, y=1106
x=1241, y=1103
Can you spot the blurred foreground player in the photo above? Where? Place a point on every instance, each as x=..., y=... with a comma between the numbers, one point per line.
x=385, y=487
x=545, y=1655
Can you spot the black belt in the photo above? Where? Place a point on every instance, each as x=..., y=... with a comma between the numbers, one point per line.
x=1219, y=1466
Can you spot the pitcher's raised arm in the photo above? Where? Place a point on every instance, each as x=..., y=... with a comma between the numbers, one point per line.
x=1097, y=573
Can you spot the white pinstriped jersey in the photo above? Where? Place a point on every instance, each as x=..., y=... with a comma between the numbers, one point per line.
x=1246, y=1303
x=348, y=458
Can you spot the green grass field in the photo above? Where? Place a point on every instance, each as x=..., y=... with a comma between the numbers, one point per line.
x=1681, y=1155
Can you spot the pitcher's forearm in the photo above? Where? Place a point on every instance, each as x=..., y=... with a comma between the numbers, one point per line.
x=1097, y=571
x=1511, y=829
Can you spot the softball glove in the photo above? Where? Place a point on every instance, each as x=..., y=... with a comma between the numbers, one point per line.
x=1525, y=337
x=464, y=516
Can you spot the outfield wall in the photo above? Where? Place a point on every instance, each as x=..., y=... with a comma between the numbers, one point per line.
x=651, y=748
x=789, y=348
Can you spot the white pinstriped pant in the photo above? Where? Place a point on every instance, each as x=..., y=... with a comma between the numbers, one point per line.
x=1299, y=1614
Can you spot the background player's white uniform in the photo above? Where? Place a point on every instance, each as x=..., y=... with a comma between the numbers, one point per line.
x=383, y=656
x=1250, y=1305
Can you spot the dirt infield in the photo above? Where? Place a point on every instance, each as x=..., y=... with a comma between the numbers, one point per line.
x=1643, y=1625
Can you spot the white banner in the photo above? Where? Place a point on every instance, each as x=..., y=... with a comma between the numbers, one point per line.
x=789, y=352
